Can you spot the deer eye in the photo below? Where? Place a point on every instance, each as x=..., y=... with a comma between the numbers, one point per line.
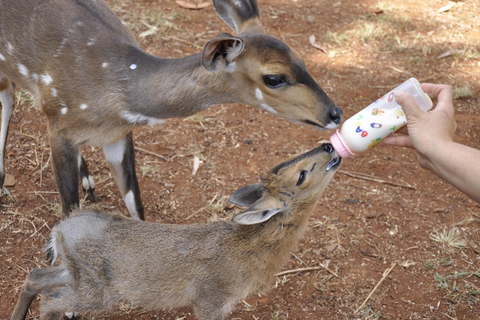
x=302, y=177
x=274, y=80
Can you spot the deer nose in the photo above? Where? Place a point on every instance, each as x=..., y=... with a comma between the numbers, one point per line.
x=327, y=147
x=336, y=115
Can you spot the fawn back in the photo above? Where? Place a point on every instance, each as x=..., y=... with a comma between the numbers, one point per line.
x=95, y=84
x=106, y=258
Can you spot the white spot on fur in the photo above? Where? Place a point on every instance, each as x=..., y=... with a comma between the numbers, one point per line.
x=90, y=42
x=46, y=78
x=331, y=125
x=91, y=182
x=22, y=69
x=9, y=48
x=140, y=119
x=114, y=152
x=2, y=57
x=133, y=66
x=88, y=183
x=54, y=92
x=51, y=247
x=130, y=203
x=64, y=110
x=104, y=65
x=83, y=106
x=35, y=77
x=267, y=108
x=69, y=315
x=124, y=23
x=258, y=94
x=231, y=68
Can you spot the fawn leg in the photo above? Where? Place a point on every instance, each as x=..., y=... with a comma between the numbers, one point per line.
x=121, y=159
x=37, y=281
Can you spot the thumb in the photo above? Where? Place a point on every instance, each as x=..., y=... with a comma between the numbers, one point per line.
x=408, y=104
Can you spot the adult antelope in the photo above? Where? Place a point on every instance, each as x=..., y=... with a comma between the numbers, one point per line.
x=95, y=84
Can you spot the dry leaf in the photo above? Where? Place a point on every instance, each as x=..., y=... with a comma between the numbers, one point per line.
x=149, y=32
x=405, y=264
x=375, y=11
x=447, y=53
x=9, y=181
x=196, y=165
x=194, y=6
x=311, y=39
x=447, y=7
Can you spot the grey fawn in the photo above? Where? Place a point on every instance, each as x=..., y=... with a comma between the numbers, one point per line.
x=106, y=258
x=95, y=84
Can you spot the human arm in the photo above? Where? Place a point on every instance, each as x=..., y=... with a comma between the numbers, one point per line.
x=431, y=135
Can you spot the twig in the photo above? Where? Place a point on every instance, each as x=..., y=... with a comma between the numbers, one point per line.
x=151, y=153
x=467, y=72
x=39, y=192
x=306, y=269
x=369, y=178
x=385, y=275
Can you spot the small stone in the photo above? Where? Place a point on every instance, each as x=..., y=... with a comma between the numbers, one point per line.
x=9, y=181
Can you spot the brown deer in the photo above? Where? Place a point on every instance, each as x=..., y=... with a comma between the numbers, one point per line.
x=106, y=259
x=95, y=84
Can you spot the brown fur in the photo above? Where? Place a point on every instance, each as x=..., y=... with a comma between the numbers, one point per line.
x=70, y=54
x=107, y=258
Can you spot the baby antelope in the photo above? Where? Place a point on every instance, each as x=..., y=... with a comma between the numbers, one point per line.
x=107, y=258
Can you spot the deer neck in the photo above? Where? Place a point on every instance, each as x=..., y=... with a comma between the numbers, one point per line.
x=279, y=236
x=167, y=88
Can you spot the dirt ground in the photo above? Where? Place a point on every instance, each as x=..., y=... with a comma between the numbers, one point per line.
x=381, y=209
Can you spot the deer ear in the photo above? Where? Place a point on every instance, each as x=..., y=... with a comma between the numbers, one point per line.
x=262, y=210
x=220, y=52
x=254, y=216
x=240, y=15
x=247, y=196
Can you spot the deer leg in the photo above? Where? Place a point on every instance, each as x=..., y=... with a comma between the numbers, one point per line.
x=86, y=179
x=65, y=168
x=37, y=281
x=7, y=101
x=121, y=159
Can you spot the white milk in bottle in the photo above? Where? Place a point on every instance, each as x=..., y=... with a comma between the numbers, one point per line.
x=378, y=120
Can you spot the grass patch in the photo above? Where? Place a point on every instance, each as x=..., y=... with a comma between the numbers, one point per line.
x=467, y=54
x=458, y=287
x=462, y=92
x=448, y=238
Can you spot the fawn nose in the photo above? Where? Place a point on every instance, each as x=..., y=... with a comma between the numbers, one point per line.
x=327, y=147
x=336, y=115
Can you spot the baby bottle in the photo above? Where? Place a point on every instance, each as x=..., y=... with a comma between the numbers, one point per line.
x=378, y=120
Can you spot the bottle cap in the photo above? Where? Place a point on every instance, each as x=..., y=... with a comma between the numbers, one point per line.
x=340, y=146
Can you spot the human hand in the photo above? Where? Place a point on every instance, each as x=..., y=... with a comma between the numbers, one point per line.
x=427, y=132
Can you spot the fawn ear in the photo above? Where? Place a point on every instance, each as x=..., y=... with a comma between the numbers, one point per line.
x=240, y=15
x=254, y=216
x=248, y=195
x=262, y=210
x=220, y=52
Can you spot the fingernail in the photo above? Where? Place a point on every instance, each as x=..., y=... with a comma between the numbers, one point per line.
x=400, y=92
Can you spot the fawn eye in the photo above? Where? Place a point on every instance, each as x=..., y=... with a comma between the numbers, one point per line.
x=274, y=80
x=302, y=177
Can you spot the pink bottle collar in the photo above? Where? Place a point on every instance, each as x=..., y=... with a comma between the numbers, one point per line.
x=340, y=145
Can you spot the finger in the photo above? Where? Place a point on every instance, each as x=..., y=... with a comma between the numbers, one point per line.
x=399, y=141
x=403, y=130
x=408, y=104
x=442, y=91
